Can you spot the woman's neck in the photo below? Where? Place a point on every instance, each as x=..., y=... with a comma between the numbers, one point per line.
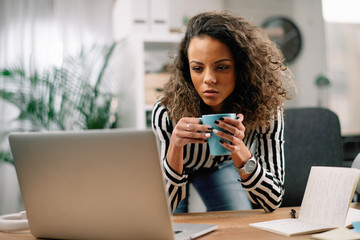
x=205, y=109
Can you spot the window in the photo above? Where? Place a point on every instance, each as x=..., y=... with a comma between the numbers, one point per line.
x=342, y=34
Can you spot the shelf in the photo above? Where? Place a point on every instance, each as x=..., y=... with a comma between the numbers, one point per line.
x=148, y=107
x=154, y=85
x=146, y=58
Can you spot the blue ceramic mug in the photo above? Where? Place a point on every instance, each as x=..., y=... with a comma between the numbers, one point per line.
x=216, y=149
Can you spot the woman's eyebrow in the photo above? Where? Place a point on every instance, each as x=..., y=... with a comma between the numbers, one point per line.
x=197, y=62
x=223, y=60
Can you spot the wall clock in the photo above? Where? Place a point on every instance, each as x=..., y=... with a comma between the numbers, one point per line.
x=286, y=35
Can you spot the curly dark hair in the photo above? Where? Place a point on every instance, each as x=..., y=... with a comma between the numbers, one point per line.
x=261, y=76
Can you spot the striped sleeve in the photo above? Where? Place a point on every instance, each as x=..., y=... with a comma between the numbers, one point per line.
x=266, y=186
x=174, y=183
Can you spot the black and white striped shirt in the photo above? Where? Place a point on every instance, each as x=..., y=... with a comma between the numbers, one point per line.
x=265, y=187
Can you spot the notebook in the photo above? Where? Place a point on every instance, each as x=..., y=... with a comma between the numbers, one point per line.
x=325, y=205
x=95, y=184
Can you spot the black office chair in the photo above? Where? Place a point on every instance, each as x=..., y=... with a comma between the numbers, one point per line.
x=312, y=138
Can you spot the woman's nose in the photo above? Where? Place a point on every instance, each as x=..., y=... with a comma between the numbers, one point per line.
x=210, y=77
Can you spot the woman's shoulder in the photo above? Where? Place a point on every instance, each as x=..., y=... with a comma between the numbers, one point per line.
x=159, y=110
x=160, y=116
x=275, y=124
x=158, y=106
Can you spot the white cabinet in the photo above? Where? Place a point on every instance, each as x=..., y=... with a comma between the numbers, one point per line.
x=145, y=26
x=143, y=58
x=140, y=16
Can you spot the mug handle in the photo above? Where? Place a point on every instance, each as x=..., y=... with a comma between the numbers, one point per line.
x=14, y=222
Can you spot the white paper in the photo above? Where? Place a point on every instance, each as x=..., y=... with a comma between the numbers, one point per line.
x=352, y=216
x=325, y=205
x=336, y=234
x=329, y=191
x=289, y=227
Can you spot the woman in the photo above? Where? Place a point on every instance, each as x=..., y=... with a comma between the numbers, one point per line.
x=224, y=64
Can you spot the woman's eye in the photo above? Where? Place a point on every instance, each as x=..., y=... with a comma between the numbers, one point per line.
x=196, y=69
x=222, y=67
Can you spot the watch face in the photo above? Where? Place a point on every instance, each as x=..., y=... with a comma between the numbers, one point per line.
x=286, y=35
x=250, y=165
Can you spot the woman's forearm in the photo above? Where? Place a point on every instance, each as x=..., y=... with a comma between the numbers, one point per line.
x=174, y=157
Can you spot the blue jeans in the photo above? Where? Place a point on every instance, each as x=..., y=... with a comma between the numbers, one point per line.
x=219, y=189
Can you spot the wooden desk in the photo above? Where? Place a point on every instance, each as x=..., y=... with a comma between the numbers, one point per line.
x=235, y=224
x=231, y=224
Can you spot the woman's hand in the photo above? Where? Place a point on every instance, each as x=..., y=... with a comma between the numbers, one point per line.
x=239, y=152
x=187, y=130
x=190, y=130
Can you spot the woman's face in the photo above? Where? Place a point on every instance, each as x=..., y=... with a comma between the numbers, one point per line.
x=212, y=70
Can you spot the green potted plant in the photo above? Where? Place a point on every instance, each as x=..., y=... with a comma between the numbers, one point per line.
x=322, y=83
x=76, y=95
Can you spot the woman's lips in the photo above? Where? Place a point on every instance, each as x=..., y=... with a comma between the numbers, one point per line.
x=210, y=92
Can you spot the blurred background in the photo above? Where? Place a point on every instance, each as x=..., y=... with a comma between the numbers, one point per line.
x=84, y=64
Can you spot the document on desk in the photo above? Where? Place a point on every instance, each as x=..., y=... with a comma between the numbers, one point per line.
x=325, y=205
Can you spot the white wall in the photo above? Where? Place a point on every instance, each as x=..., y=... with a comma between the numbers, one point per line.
x=256, y=11
x=312, y=61
x=10, y=197
x=179, y=9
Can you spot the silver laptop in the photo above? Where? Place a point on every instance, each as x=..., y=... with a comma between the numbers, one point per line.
x=98, y=184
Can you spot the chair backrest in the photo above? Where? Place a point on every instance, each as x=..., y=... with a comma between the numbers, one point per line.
x=312, y=138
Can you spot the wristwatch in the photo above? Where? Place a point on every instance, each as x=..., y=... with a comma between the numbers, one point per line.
x=249, y=166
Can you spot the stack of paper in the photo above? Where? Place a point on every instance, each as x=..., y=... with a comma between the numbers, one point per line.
x=336, y=234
